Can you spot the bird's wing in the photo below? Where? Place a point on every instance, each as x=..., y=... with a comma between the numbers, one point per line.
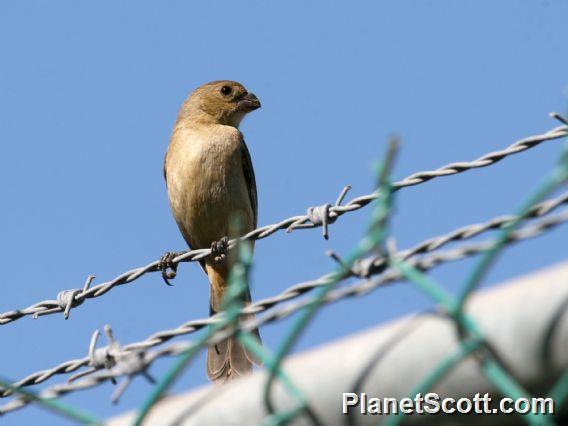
x=165, y=169
x=248, y=172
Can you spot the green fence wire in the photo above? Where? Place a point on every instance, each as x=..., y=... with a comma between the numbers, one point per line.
x=472, y=339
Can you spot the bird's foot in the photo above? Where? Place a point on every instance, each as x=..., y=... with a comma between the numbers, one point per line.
x=168, y=267
x=219, y=249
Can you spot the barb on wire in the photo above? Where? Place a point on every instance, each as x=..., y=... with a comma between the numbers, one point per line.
x=421, y=263
x=100, y=358
x=320, y=216
x=129, y=364
x=68, y=299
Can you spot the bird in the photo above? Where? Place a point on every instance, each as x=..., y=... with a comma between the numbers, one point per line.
x=210, y=180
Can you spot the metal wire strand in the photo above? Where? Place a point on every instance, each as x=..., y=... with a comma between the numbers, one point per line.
x=69, y=299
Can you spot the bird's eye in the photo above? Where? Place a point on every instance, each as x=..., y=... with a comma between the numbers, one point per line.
x=226, y=90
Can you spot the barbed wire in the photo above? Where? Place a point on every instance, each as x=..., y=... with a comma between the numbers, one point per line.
x=133, y=362
x=315, y=217
x=373, y=265
x=363, y=269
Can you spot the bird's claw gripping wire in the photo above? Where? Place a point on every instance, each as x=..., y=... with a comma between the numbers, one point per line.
x=219, y=249
x=168, y=267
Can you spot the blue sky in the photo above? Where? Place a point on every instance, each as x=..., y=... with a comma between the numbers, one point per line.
x=89, y=94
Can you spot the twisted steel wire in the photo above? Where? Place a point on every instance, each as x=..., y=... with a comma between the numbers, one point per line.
x=369, y=266
x=72, y=298
x=143, y=359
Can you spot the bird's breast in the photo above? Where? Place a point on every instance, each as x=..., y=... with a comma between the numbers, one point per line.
x=205, y=183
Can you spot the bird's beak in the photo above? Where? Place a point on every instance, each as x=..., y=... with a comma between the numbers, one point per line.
x=249, y=102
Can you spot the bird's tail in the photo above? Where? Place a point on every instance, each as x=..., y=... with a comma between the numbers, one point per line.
x=228, y=359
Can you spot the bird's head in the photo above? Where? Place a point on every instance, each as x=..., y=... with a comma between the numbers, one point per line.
x=221, y=102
